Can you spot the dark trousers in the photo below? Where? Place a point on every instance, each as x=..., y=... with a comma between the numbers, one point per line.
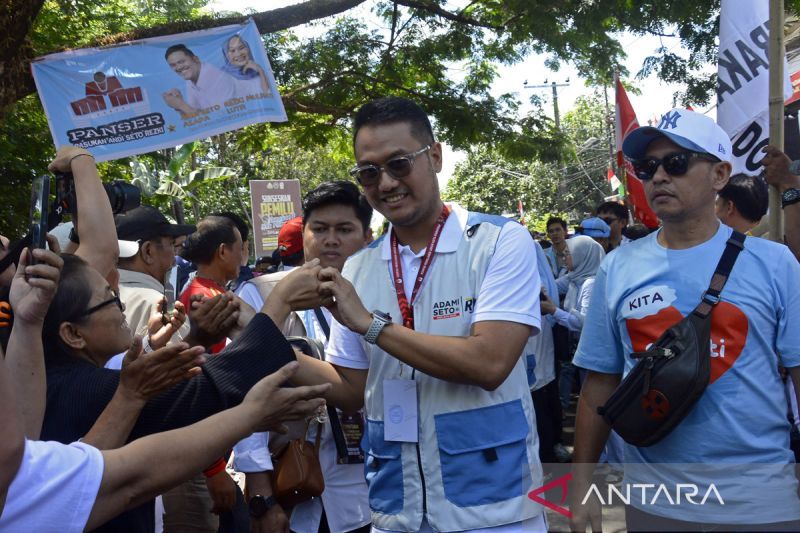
x=547, y=406
x=638, y=520
x=237, y=520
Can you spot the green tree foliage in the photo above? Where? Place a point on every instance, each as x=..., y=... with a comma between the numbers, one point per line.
x=489, y=182
x=441, y=53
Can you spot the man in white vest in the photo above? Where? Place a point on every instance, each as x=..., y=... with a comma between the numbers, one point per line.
x=431, y=322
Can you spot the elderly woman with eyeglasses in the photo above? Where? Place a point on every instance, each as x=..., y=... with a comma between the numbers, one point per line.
x=85, y=327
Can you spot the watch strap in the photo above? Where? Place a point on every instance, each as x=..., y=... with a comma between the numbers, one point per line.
x=790, y=196
x=378, y=323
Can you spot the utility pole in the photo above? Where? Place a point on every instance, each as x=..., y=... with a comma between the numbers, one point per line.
x=611, y=141
x=555, y=87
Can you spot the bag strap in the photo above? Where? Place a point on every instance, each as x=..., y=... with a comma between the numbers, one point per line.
x=317, y=438
x=711, y=297
x=323, y=322
x=333, y=415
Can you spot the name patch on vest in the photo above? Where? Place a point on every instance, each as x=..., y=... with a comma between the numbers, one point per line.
x=453, y=308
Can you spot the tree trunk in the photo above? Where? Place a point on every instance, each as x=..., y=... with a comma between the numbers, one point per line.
x=177, y=210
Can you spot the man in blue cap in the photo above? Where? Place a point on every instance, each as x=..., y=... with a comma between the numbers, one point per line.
x=650, y=284
x=597, y=229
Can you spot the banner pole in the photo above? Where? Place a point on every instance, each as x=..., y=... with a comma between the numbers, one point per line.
x=776, y=55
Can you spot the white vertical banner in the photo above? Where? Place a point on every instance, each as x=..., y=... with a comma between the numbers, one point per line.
x=743, y=80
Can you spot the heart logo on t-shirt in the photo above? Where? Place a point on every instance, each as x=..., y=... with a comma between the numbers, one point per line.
x=728, y=333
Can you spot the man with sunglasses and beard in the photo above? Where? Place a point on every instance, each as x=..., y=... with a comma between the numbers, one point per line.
x=738, y=430
x=432, y=324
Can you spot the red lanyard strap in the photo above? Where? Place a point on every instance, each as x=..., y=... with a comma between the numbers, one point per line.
x=406, y=309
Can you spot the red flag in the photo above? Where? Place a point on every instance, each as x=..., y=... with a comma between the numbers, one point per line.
x=521, y=212
x=626, y=122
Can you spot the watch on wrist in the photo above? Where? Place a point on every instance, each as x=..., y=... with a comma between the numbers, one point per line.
x=259, y=505
x=790, y=196
x=379, y=321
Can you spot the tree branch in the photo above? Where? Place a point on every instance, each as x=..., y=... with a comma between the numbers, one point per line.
x=436, y=10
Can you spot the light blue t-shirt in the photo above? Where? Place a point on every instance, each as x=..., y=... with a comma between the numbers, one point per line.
x=642, y=289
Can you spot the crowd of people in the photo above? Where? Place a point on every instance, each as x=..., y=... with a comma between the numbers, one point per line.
x=149, y=375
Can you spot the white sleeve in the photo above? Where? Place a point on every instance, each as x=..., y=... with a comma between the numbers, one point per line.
x=115, y=363
x=573, y=319
x=54, y=489
x=510, y=289
x=250, y=294
x=569, y=320
x=251, y=454
x=345, y=348
x=585, y=297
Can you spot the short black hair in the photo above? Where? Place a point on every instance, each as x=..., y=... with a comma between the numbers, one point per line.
x=338, y=192
x=391, y=110
x=749, y=194
x=636, y=231
x=200, y=246
x=556, y=220
x=72, y=298
x=239, y=222
x=619, y=210
x=178, y=48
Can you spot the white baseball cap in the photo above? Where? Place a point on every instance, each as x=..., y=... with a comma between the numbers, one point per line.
x=687, y=129
x=128, y=248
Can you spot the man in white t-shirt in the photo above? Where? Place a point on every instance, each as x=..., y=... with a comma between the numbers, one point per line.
x=206, y=85
x=450, y=439
x=736, y=437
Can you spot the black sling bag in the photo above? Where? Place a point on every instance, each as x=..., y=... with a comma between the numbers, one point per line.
x=674, y=372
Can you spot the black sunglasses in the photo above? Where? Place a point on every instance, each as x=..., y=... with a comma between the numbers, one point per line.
x=398, y=167
x=675, y=164
x=95, y=308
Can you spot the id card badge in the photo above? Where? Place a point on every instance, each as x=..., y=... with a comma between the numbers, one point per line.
x=353, y=430
x=400, y=410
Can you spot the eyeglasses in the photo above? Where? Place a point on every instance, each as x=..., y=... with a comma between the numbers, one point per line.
x=95, y=308
x=675, y=164
x=398, y=167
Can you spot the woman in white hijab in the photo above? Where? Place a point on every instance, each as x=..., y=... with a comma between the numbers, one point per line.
x=583, y=260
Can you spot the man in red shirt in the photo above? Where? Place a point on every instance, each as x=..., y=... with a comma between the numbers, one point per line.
x=216, y=249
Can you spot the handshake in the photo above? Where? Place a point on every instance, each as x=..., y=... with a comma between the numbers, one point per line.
x=306, y=287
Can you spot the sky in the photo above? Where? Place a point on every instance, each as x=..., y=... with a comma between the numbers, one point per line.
x=656, y=97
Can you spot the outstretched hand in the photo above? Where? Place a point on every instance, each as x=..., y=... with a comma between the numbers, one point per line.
x=146, y=375
x=64, y=157
x=162, y=326
x=212, y=318
x=344, y=305
x=300, y=289
x=272, y=403
x=34, y=285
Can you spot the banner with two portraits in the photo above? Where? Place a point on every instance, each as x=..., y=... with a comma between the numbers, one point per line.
x=156, y=93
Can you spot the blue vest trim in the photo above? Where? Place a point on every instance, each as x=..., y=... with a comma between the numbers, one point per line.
x=479, y=218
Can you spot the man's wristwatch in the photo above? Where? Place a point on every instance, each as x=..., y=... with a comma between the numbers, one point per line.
x=790, y=196
x=259, y=505
x=379, y=321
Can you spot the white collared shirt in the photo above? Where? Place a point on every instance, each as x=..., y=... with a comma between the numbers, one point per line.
x=213, y=87
x=504, y=294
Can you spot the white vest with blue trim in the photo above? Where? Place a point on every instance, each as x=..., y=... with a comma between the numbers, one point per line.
x=477, y=457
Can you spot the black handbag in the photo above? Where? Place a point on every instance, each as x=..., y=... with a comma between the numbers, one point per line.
x=673, y=373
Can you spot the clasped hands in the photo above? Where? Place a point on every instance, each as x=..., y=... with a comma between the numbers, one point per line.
x=312, y=286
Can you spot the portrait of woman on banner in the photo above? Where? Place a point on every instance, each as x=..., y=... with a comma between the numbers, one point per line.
x=249, y=76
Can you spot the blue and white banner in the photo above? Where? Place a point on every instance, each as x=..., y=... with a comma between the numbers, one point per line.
x=743, y=81
x=157, y=93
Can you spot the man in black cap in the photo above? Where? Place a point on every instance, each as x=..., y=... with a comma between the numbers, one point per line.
x=146, y=254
